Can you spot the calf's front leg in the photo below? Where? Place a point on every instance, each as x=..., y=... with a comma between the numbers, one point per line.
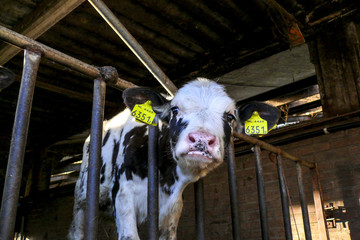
x=125, y=215
x=170, y=220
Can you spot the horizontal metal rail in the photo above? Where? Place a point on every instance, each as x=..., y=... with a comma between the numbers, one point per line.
x=273, y=149
x=57, y=56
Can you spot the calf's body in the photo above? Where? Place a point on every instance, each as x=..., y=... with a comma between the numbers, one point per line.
x=195, y=128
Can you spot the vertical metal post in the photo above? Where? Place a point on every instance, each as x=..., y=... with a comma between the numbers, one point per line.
x=92, y=194
x=261, y=194
x=18, y=142
x=303, y=203
x=284, y=199
x=153, y=183
x=233, y=191
x=199, y=207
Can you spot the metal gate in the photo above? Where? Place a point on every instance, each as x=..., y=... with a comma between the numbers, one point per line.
x=108, y=76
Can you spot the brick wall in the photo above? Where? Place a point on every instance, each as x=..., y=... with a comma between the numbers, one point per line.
x=338, y=156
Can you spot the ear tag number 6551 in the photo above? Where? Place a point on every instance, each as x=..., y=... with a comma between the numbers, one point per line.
x=144, y=113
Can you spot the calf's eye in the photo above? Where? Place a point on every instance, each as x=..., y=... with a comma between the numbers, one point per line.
x=230, y=117
x=175, y=110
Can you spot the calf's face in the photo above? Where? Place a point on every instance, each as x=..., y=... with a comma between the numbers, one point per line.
x=201, y=118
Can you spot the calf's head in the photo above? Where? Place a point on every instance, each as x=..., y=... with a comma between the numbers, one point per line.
x=201, y=118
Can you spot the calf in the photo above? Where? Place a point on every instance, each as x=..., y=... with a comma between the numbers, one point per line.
x=195, y=128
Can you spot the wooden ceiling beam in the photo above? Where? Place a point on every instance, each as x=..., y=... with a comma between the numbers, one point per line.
x=46, y=15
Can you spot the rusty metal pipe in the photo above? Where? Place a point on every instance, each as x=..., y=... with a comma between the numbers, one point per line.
x=92, y=191
x=134, y=46
x=234, y=203
x=153, y=183
x=57, y=56
x=273, y=149
x=18, y=142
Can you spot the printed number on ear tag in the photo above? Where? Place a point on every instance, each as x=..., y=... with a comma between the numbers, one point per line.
x=256, y=125
x=144, y=113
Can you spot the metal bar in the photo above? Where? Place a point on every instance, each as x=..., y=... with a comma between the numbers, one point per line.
x=235, y=217
x=319, y=205
x=134, y=46
x=273, y=149
x=284, y=199
x=18, y=143
x=153, y=183
x=199, y=206
x=303, y=203
x=57, y=56
x=92, y=192
x=261, y=194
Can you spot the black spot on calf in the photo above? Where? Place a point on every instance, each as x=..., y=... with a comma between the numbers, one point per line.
x=106, y=138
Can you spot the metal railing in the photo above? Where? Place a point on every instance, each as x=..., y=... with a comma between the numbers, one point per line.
x=103, y=76
x=258, y=144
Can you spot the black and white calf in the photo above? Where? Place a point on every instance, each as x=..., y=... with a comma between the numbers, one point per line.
x=195, y=128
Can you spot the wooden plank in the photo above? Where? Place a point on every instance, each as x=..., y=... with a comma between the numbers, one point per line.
x=292, y=91
x=335, y=56
x=295, y=96
x=47, y=14
x=319, y=206
x=330, y=11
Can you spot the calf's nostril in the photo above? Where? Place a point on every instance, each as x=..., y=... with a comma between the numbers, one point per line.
x=211, y=142
x=191, y=138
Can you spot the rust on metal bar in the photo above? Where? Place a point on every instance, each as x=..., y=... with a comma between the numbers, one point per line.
x=273, y=149
x=134, y=46
x=57, y=56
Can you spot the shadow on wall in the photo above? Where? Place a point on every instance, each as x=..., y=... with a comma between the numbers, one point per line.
x=349, y=182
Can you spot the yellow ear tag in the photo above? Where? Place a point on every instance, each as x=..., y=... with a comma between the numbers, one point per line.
x=144, y=113
x=256, y=125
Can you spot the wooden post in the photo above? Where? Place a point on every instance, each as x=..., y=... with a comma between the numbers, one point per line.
x=335, y=55
x=319, y=206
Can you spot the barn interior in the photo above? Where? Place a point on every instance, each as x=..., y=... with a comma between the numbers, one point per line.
x=301, y=56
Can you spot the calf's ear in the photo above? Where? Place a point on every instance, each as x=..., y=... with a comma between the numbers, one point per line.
x=140, y=95
x=267, y=112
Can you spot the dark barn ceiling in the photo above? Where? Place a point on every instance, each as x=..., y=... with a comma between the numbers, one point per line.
x=187, y=39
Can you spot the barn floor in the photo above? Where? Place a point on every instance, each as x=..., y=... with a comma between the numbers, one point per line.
x=338, y=156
